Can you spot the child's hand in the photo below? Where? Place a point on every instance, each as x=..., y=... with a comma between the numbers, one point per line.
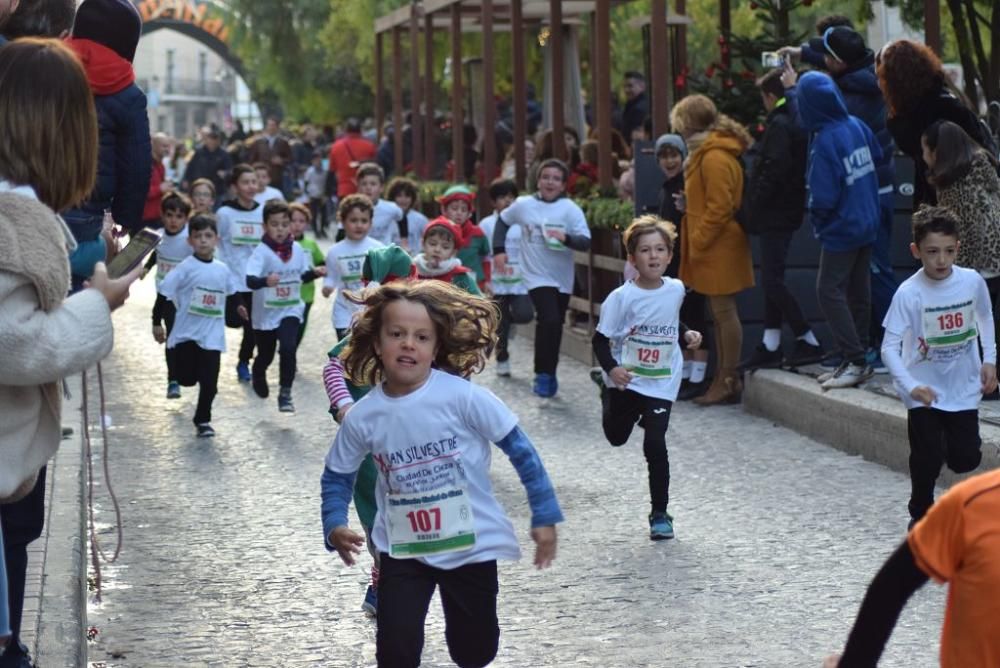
x=988, y=375
x=273, y=280
x=693, y=339
x=832, y=661
x=327, y=291
x=241, y=311
x=500, y=263
x=620, y=377
x=159, y=333
x=680, y=201
x=927, y=396
x=558, y=235
x=545, y=545
x=343, y=411
x=320, y=270
x=347, y=543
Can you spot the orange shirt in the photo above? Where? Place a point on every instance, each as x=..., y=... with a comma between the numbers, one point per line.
x=958, y=542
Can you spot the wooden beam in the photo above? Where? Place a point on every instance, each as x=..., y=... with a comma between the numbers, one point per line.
x=489, y=105
x=659, y=74
x=520, y=94
x=558, y=67
x=601, y=98
x=680, y=7
x=416, y=114
x=397, y=100
x=932, y=25
x=430, y=126
x=379, y=89
x=457, y=94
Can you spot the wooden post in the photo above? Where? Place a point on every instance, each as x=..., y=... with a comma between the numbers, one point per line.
x=602, y=91
x=932, y=25
x=430, y=126
x=416, y=115
x=379, y=89
x=520, y=93
x=558, y=104
x=457, y=120
x=726, y=27
x=680, y=6
x=659, y=74
x=397, y=100
x=489, y=105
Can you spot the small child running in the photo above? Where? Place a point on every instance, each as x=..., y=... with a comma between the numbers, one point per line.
x=439, y=256
x=930, y=348
x=456, y=205
x=438, y=522
x=386, y=216
x=198, y=287
x=403, y=192
x=301, y=217
x=346, y=258
x=638, y=344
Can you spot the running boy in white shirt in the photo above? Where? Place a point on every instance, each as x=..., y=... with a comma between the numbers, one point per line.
x=387, y=218
x=403, y=192
x=346, y=258
x=173, y=248
x=275, y=272
x=638, y=344
x=199, y=287
x=931, y=332
x=438, y=522
x=265, y=192
x=241, y=226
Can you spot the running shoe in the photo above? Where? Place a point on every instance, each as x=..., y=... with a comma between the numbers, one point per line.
x=205, y=430
x=370, y=604
x=804, y=353
x=661, y=526
x=545, y=385
x=173, y=390
x=848, y=376
x=285, y=404
x=260, y=385
x=243, y=372
x=762, y=358
x=503, y=368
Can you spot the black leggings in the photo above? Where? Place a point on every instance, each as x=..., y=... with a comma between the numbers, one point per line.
x=550, y=314
x=622, y=408
x=169, y=316
x=938, y=437
x=22, y=523
x=234, y=321
x=469, y=600
x=287, y=334
x=197, y=365
x=514, y=309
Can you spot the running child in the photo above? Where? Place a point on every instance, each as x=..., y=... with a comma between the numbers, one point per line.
x=438, y=256
x=198, y=288
x=345, y=259
x=931, y=331
x=456, y=205
x=508, y=288
x=175, y=209
x=386, y=216
x=203, y=196
x=638, y=344
x=241, y=226
x=552, y=225
x=265, y=193
x=404, y=193
x=301, y=217
x=438, y=522
x=275, y=272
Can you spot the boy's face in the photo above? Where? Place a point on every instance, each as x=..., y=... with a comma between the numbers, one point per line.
x=550, y=183
x=652, y=255
x=502, y=202
x=937, y=253
x=670, y=161
x=357, y=223
x=404, y=201
x=246, y=186
x=299, y=224
x=263, y=180
x=438, y=248
x=203, y=242
x=457, y=211
x=173, y=220
x=203, y=198
x=278, y=226
x=370, y=186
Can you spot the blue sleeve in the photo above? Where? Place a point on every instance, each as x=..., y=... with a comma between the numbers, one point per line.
x=336, y=490
x=545, y=509
x=133, y=164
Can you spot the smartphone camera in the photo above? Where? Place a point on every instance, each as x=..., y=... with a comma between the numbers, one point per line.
x=771, y=60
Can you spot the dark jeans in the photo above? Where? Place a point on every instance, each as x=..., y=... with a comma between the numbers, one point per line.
x=550, y=314
x=514, y=309
x=197, y=365
x=469, y=600
x=287, y=334
x=234, y=321
x=779, y=303
x=621, y=410
x=938, y=437
x=843, y=289
x=169, y=316
x=22, y=523
x=883, y=279
x=318, y=208
x=305, y=320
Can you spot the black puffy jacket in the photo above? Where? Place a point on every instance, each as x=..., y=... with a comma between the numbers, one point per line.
x=777, y=189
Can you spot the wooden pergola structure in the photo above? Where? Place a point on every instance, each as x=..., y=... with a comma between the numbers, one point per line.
x=488, y=17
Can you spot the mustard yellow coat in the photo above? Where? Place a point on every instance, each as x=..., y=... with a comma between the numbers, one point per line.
x=715, y=253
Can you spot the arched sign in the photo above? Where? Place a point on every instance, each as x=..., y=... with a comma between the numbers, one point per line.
x=202, y=21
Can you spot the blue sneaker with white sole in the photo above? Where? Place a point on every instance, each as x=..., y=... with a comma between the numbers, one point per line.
x=545, y=385
x=661, y=526
x=370, y=606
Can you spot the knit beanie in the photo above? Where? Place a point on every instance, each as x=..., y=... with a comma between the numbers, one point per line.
x=453, y=229
x=386, y=264
x=459, y=192
x=674, y=141
x=115, y=24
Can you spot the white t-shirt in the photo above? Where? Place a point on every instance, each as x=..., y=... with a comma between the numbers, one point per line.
x=512, y=280
x=170, y=252
x=272, y=305
x=544, y=261
x=936, y=323
x=239, y=233
x=268, y=194
x=385, y=222
x=434, y=440
x=415, y=224
x=344, y=262
x=644, y=329
x=199, y=289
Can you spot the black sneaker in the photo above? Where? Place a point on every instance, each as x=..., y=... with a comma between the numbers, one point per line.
x=260, y=386
x=804, y=353
x=285, y=404
x=762, y=358
x=691, y=390
x=205, y=431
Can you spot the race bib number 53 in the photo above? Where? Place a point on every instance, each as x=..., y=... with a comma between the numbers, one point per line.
x=430, y=523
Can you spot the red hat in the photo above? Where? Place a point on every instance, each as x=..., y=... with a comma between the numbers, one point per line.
x=451, y=227
x=459, y=192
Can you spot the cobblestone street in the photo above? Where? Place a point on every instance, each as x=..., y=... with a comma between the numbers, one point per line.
x=223, y=561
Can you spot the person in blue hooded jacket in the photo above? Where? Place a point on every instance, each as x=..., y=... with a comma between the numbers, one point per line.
x=843, y=208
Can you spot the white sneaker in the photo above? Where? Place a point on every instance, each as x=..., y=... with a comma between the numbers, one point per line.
x=503, y=368
x=823, y=377
x=849, y=376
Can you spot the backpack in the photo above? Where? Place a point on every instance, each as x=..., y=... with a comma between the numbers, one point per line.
x=742, y=215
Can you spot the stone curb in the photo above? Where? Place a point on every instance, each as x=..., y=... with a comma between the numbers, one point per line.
x=853, y=420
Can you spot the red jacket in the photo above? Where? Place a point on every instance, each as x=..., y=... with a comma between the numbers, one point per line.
x=345, y=155
x=154, y=194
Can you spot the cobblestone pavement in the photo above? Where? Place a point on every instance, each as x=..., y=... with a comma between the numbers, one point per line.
x=224, y=565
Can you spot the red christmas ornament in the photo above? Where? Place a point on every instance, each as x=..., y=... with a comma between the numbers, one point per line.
x=722, y=39
x=680, y=81
x=728, y=83
x=710, y=71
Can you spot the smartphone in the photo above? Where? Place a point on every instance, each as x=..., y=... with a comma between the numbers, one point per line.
x=139, y=246
x=771, y=60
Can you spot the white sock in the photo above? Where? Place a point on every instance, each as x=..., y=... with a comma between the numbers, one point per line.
x=810, y=338
x=772, y=339
x=698, y=371
x=686, y=370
